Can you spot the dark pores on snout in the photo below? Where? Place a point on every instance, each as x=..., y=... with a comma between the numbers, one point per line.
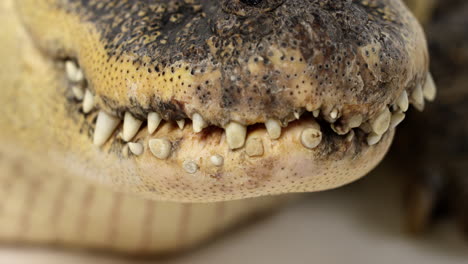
x=247, y=61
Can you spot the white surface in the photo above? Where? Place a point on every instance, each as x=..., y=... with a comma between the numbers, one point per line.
x=357, y=224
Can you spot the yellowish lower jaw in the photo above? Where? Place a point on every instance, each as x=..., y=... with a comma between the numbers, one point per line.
x=188, y=161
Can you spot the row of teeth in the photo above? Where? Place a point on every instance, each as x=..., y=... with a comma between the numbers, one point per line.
x=236, y=133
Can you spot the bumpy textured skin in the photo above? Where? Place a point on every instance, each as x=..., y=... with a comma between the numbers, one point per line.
x=269, y=60
x=439, y=185
x=353, y=56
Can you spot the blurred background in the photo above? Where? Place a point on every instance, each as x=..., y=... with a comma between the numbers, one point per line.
x=412, y=208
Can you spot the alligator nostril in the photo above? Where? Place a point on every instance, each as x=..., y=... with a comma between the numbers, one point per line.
x=251, y=2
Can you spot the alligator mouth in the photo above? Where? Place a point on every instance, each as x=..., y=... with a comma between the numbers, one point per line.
x=208, y=105
x=160, y=136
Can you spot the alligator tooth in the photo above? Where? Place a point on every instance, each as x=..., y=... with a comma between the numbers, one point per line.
x=130, y=127
x=105, y=126
x=254, y=147
x=154, y=119
x=181, y=123
x=397, y=118
x=355, y=121
x=334, y=114
x=418, y=98
x=316, y=113
x=136, y=148
x=217, y=160
x=381, y=124
x=190, y=167
x=78, y=92
x=274, y=128
x=430, y=90
x=350, y=136
x=161, y=148
x=373, y=139
x=403, y=102
x=235, y=135
x=297, y=115
x=88, y=102
x=311, y=137
x=198, y=123
x=74, y=73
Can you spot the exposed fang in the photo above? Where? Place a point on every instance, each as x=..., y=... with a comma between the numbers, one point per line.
x=235, y=135
x=198, y=123
x=381, y=124
x=105, y=126
x=418, y=98
x=274, y=128
x=88, y=102
x=154, y=119
x=181, y=123
x=403, y=102
x=130, y=127
x=430, y=90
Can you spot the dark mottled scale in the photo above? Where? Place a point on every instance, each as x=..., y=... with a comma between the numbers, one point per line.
x=167, y=32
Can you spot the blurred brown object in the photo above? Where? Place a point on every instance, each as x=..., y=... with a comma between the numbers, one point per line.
x=434, y=144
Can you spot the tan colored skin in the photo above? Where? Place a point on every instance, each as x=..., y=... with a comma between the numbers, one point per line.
x=43, y=128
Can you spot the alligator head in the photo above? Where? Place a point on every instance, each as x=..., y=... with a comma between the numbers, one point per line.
x=191, y=100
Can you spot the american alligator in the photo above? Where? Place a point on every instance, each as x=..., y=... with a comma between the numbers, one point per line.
x=151, y=126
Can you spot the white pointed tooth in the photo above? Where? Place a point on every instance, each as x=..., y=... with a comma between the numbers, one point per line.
x=311, y=138
x=105, y=126
x=235, y=135
x=334, y=114
x=316, y=113
x=397, y=118
x=373, y=139
x=403, y=102
x=274, y=128
x=430, y=90
x=130, y=127
x=198, y=123
x=154, y=119
x=217, y=160
x=181, y=123
x=418, y=98
x=74, y=73
x=88, y=102
x=136, y=148
x=297, y=115
x=381, y=123
x=160, y=147
x=78, y=92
